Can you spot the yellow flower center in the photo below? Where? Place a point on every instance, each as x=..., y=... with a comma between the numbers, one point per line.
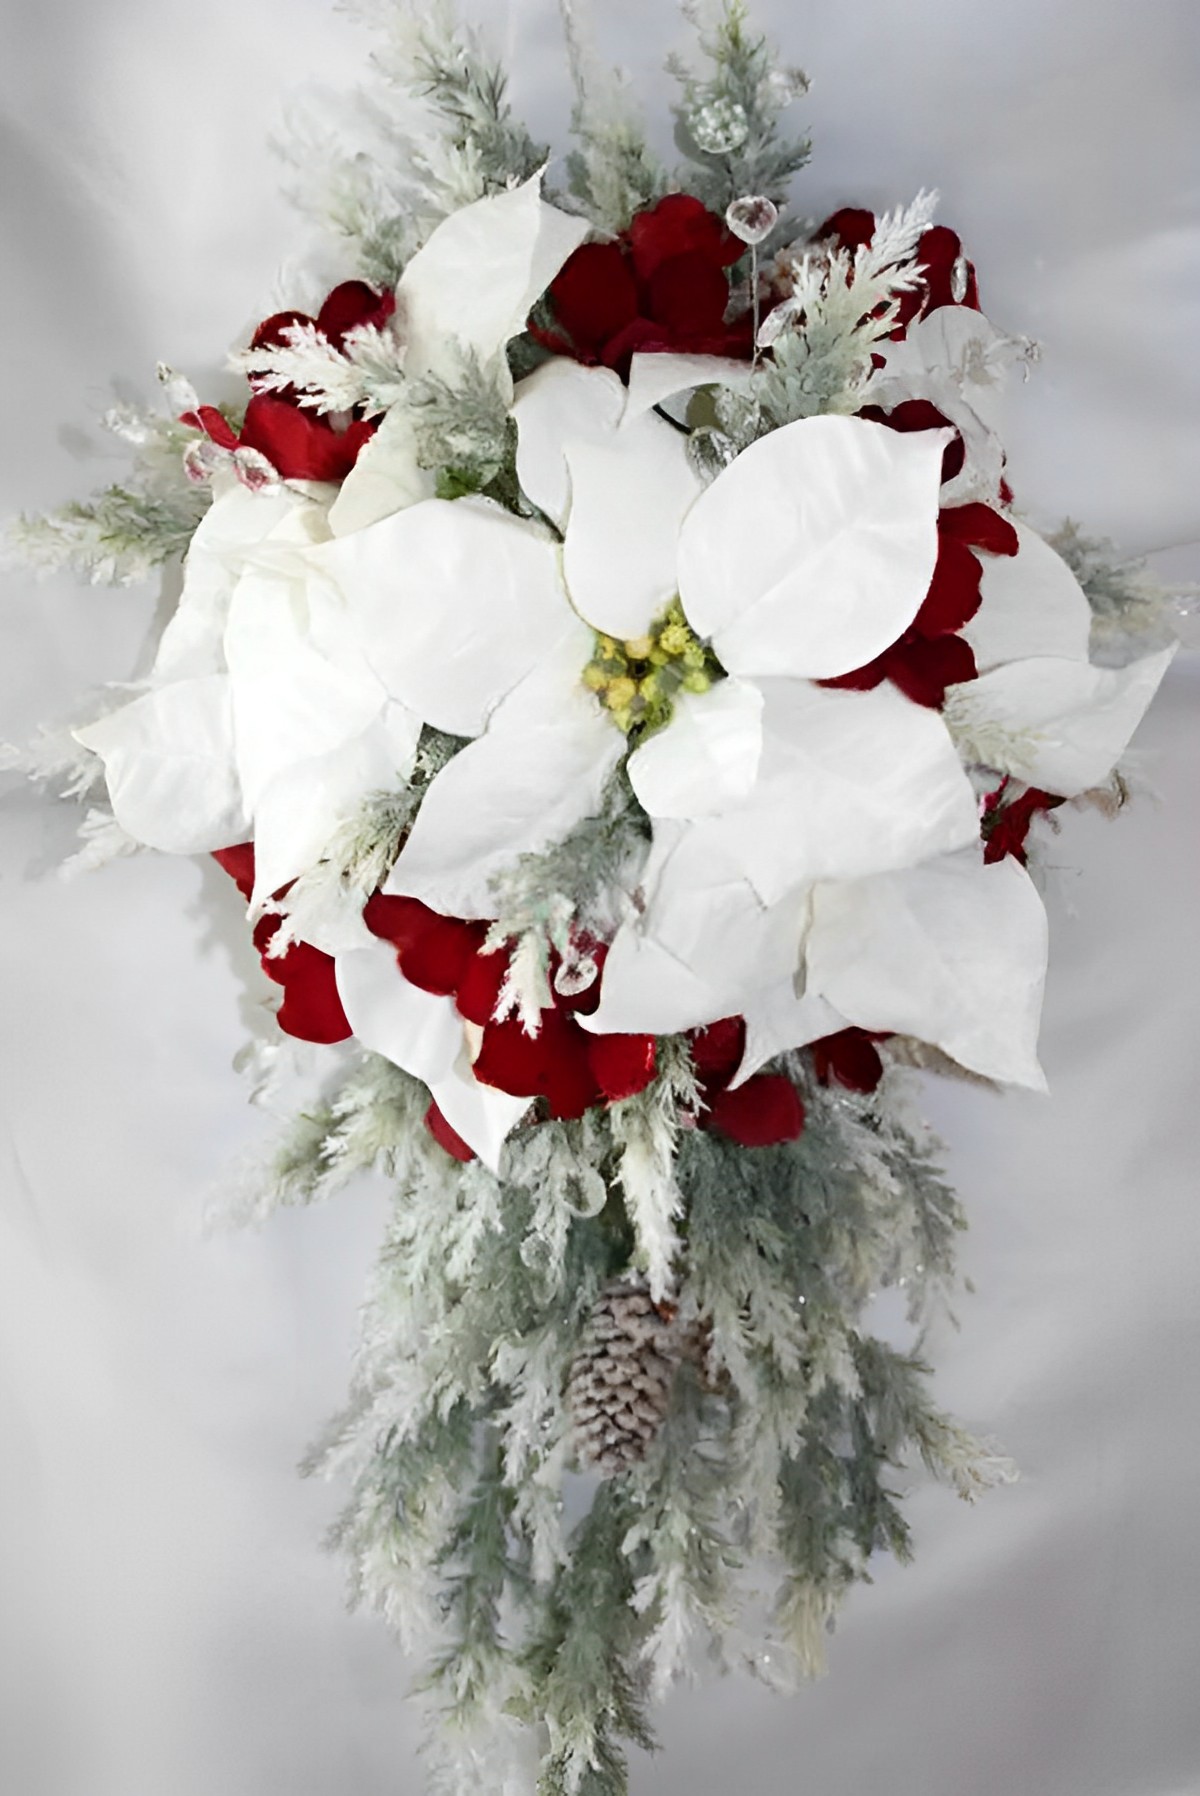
x=637, y=680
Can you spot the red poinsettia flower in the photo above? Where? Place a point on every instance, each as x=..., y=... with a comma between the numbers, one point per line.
x=849, y=1058
x=662, y=285
x=764, y=1111
x=311, y=1008
x=564, y=1063
x=301, y=444
x=1006, y=826
x=938, y=252
x=931, y=655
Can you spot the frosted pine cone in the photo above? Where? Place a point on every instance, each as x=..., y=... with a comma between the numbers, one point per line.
x=620, y=1384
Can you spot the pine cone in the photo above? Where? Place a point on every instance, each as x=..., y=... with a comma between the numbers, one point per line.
x=620, y=1384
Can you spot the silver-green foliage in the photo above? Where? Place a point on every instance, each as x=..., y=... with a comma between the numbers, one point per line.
x=1130, y=612
x=124, y=533
x=613, y=173
x=730, y=119
x=773, y=1481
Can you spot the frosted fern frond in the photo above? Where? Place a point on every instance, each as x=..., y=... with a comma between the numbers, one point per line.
x=463, y=429
x=355, y=863
x=479, y=148
x=983, y=742
x=367, y=371
x=614, y=173
x=730, y=118
x=126, y=532
x=54, y=758
x=358, y=195
x=645, y=1131
x=824, y=333
x=575, y=885
x=101, y=840
x=1131, y=612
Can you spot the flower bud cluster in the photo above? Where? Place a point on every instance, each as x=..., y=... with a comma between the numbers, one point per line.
x=637, y=680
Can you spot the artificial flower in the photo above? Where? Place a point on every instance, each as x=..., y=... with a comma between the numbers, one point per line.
x=663, y=285
x=261, y=715
x=949, y=279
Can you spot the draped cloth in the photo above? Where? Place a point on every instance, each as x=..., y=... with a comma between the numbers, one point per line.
x=169, y=1624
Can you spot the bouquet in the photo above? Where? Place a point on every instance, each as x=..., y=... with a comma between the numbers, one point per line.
x=612, y=668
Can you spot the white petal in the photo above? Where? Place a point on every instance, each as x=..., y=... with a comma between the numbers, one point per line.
x=812, y=552
x=300, y=687
x=705, y=947
x=561, y=402
x=953, y=952
x=658, y=376
x=476, y=279
x=539, y=769
x=629, y=495
x=301, y=809
x=236, y=523
x=423, y=1034
x=850, y=783
x=1032, y=605
x=456, y=600
x=779, y=1020
x=707, y=758
x=386, y=478
x=170, y=766
x=1061, y=725
x=957, y=359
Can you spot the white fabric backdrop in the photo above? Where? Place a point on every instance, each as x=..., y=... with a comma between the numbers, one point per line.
x=169, y=1626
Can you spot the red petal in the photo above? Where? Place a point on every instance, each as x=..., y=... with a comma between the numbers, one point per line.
x=479, y=987
x=953, y=596
x=922, y=667
x=861, y=679
x=980, y=527
x=594, y=295
x=718, y=1051
x=622, y=1064
x=397, y=920
x=434, y=952
x=641, y=336
x=271, y=333
x=353, y=303
x=765, y=1110
x=214, y=424
x=441, y=956
x=920, y=414
x=850, y=1057
x=552, y=1064
x=298, y=444
x=938, y=250
x=851, y=225
x=311, y=1008
x=445, y=1136
x=680, y=225
x=1007, y=829
x=239, y=864
x=689, y=295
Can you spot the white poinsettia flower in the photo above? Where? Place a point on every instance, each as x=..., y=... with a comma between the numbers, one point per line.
x=466, y=292
x=957, y=359
x=804, y=559
x=1040, y=711
x=484, y=623
x=262, y=716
